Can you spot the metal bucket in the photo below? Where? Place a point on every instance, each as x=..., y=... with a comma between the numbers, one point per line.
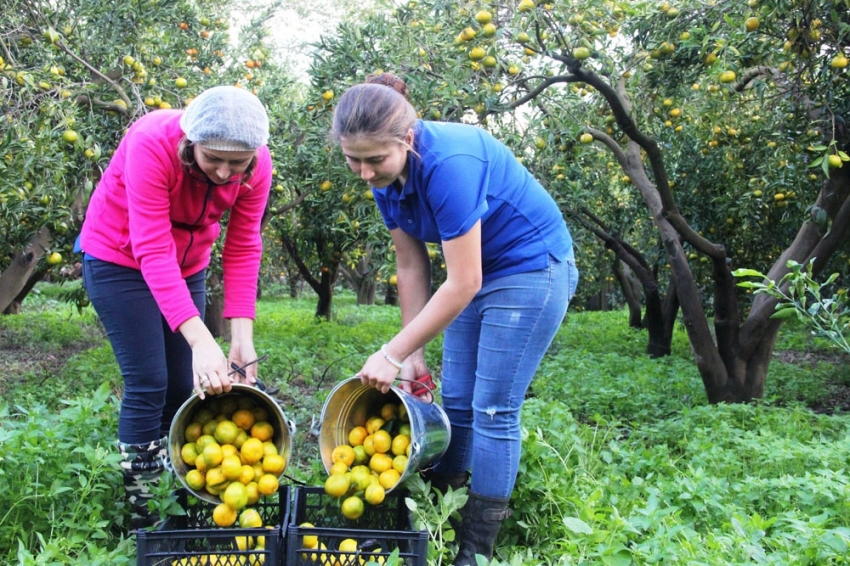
x=283, y=428
x=350, y=403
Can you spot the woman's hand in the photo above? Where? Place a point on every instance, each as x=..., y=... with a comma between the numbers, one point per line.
x=209, y=366
x=378, y=372
x=411, y=371
x=242, y=349
x=240, y=355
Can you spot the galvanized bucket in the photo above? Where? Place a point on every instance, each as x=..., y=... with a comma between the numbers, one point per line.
x=349, y=405
x=284, y=428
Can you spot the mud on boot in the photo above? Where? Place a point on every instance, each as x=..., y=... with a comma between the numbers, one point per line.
x=142, y=465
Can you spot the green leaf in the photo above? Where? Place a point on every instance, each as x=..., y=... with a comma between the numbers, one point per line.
x=577, y=526
x=784, y=312
x=744, y=272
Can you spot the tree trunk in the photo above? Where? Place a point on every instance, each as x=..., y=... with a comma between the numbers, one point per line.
x=293, y=285
x=15, y=306
x=631, y=292
x=390, y=295
x=361, y=277
x=654, y=321
x=323, y=286
x=366, y=291
x=15, y=277
x=214, y=315
x=325, y=291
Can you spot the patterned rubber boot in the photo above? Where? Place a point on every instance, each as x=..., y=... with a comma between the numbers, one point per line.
x=142, y=466
x=482, y=519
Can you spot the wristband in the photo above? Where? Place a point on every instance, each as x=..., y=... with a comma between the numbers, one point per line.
x=388, y=358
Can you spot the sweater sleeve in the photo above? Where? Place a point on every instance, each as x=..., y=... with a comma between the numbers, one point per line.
x=150, y=171
x=243, y=245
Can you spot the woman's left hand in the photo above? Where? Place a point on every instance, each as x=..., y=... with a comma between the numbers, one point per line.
x=242, y=349
x=239, y=356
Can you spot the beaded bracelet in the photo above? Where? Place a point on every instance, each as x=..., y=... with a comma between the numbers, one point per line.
x=387, y=356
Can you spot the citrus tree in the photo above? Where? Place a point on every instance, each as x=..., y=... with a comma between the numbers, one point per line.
x=716, y=129
x=74, y=75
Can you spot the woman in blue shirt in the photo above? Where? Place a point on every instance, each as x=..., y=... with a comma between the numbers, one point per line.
x=510, y=276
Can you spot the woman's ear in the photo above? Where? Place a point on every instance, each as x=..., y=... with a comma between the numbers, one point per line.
x=408, y=139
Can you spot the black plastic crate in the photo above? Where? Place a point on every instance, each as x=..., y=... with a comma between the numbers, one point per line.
x=194, y=540
x=388, y=526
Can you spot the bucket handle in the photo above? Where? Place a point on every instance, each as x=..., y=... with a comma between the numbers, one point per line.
x=422, y=387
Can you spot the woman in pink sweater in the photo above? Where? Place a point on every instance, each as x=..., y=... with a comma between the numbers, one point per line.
x=147, y=238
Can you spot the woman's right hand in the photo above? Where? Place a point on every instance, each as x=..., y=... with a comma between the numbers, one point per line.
x=411, y=371
x=209, y=364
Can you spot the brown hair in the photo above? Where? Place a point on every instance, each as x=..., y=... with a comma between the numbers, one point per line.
x=390, y=80
x=374, y=111
x=186, y=154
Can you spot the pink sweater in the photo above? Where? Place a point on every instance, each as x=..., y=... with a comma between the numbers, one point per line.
x=148, y=213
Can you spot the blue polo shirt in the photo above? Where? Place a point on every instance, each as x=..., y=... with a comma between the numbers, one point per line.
x=461, y=175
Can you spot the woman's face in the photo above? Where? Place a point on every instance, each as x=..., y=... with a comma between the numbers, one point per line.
x=221, y=166
x=377, y=163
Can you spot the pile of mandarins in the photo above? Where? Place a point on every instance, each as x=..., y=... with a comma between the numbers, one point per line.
x=373, y=460
x=230, y=454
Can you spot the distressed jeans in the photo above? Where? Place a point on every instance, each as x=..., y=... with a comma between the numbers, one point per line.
x=491, y=352
x=155, y=362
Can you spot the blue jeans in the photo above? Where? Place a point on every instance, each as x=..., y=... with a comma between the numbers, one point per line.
x=155, y=362
x=490, y=355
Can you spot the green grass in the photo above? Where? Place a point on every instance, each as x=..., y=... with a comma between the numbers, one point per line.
x=624, y=462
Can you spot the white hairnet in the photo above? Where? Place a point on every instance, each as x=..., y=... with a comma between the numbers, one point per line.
x=226, y=118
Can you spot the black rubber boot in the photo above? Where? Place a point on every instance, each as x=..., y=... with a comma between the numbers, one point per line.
x=482, y=519
x=142, y=466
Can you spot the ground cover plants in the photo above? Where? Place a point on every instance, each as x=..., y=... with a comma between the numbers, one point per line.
x=624, y=461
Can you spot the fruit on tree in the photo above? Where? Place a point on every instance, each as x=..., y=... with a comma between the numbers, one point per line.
x=70, y=136
x=526, y=6
x=477, y=53
x=838, y=62
x=483, y=17
x=581, y=53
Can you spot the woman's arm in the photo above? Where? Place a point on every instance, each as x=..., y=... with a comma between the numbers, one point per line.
x=424, y=318
x=243, y=244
